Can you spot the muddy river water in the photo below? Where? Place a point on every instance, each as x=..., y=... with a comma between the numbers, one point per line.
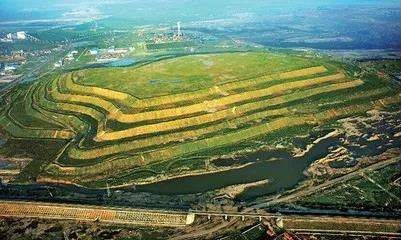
x=282, y=169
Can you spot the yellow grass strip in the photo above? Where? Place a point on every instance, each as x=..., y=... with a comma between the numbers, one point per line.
x=55, y=112
x=213, y=105
x=207, y=106
x=387, y=101
x=350, y=110
x=111, y=168
x=82, y=154
x=76, y=153
x=71, y=85
x=223, y=88
x=60, y=106
x=223, y=114
x=96, y=101
x=131, y=101
x=45, y=107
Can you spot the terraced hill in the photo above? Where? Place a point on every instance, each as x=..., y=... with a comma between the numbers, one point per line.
x=128, y=125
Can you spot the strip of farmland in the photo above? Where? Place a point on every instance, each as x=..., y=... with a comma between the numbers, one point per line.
x=93, y=213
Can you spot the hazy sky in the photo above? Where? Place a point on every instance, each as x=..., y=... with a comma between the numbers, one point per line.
x=350, y=23
x=65, y=9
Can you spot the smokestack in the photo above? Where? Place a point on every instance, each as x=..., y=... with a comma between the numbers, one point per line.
x=179, y=29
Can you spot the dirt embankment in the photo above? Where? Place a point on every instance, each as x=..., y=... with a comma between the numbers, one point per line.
x=235, y=190
x=301, y=152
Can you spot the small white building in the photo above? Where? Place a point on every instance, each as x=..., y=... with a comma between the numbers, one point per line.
x=21, y=35
x=58, y=64
x=93, y=52
x=70, y=56
x=111, y=49
x=120, y=50
x=9, y=68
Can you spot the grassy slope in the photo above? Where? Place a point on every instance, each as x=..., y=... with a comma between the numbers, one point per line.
x=88, y=114
x=189, y=73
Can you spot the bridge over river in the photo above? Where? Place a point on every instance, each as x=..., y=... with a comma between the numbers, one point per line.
x=146, y=217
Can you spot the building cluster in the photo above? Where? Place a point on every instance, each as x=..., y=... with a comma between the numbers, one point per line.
x=177, y=36
x=110, y=54
x=7, y=72
x=15, y=56
x=10, y=37
x=43, y=52
x=8, y=68
x=161, y=38
x=71, y=55
x=68, y=58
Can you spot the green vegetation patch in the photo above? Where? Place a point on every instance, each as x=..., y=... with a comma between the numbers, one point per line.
x=378, y=189
x=190, y=73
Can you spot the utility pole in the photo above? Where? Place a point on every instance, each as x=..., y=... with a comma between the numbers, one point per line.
x=108, y=190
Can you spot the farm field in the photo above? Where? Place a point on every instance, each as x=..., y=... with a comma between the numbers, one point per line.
x=121, y=125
